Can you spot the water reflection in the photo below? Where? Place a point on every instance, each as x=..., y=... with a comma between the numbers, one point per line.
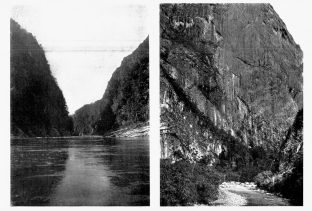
x=36, y=169
x=94, y=172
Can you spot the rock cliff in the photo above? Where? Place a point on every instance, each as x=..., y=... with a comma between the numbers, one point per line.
x=229, y=73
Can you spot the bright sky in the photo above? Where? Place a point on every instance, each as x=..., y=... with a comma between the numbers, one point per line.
x=291, y=18
x=84, y=44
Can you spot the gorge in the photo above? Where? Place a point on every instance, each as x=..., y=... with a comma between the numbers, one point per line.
x=38, y=107
x=231, y=86
x=125, y=102
x=50, y=164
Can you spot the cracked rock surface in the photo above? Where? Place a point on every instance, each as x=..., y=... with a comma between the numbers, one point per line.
x=222, y=67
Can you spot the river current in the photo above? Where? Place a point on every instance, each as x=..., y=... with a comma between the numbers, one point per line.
x=75, y=171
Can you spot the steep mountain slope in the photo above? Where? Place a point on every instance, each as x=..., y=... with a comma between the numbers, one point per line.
x=126, y=98
x=38, y=107
x=231, y=76
x=85, y=118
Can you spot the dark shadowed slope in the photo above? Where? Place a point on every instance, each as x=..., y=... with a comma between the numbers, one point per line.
x=126, y=98
x=38, y=107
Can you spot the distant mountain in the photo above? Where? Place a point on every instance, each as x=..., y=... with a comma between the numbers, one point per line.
x=38, y=107
x=86, y=117
x=126, y=98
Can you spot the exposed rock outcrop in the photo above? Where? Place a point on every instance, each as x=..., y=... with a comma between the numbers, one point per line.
x=134, y=130
x=291, y=153
x=228, y=71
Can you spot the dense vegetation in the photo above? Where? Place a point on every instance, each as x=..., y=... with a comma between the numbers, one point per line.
x=85, y=118
x=38, y=107
x=276, y=169
x=288, y=179
x=276, y=166
x=126, y=98
x=184, y=183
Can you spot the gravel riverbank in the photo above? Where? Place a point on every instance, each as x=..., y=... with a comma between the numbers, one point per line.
x=227, y=198
x=246, y=194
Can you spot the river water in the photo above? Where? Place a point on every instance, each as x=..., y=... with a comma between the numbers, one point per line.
x=78, y=171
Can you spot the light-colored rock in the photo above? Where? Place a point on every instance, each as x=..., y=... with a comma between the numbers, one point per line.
x=220, y=56
x=227, y=198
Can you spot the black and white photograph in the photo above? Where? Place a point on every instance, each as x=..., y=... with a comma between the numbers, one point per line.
x=155, y=104
x=79, y=105
x=231, y=94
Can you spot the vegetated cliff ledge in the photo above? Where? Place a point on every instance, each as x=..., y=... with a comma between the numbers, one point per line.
x=230, y=73
x=38, y=107
x=124, y=107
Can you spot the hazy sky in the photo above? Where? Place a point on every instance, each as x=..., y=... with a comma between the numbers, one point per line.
x=84, y=44
x=286, y=12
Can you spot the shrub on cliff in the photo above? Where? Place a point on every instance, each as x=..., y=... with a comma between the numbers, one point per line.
x=292, y=186
x=227, y=173
x=289, y=184
x=289, y=180
x=248, y=173
x=184, y=183
x=264, y=179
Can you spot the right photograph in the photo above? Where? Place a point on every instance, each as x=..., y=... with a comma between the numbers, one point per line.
x=231, y=98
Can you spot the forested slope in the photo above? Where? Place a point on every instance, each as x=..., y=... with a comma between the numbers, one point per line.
x=126, y=98
x=38, y=107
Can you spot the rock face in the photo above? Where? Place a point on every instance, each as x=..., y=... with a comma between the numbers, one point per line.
x=227, y=71
x=38, y=107
x=292, y=146
x=125, y=102
x=134, y=130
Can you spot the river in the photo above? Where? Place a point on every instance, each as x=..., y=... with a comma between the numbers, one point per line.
x=77, y=171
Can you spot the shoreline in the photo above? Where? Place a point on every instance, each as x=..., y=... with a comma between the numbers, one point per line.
x=77, y=137
x=243, y=194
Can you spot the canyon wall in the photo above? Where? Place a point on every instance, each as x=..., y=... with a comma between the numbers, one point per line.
x=125, y=102
x=228, y=72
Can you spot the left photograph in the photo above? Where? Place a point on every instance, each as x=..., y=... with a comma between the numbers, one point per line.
x=79, y=94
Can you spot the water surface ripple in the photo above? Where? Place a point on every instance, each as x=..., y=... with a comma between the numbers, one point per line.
x=80, y=172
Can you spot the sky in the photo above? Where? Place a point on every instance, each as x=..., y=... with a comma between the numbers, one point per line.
x=292, y=19
x=84, y=44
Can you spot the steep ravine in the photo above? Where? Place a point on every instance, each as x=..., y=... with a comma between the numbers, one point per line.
x=228, y=71
x=123, y=110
